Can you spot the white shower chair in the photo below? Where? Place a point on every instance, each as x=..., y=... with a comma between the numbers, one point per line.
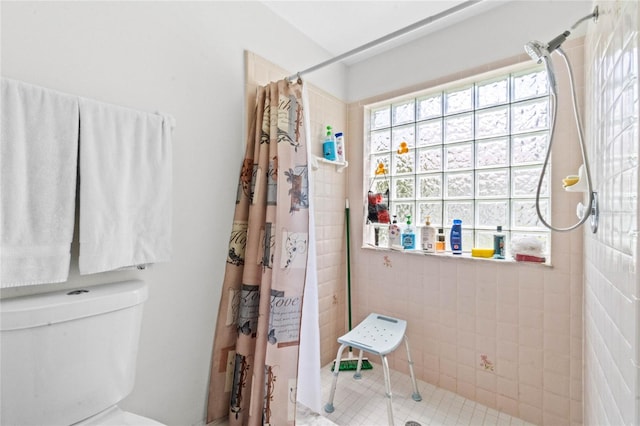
x=379, y=335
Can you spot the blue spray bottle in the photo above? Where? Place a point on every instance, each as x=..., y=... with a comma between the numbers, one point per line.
x=456, y=237
x=329, y=146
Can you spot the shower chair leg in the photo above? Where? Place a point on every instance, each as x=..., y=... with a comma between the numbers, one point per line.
x=329, y=408
x=416, y=394
x=387, y=388
x=357, y=375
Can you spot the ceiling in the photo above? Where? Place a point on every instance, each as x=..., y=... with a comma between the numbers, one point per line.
x=340, y=26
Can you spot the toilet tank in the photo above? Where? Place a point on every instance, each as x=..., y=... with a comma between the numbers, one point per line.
x=67, y=355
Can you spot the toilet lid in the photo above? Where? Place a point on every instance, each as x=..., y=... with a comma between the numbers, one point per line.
x=114, y=416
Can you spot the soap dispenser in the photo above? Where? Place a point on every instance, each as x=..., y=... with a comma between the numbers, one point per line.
x=408, y=236
x=428, y=237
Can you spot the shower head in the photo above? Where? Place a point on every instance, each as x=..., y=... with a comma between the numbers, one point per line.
x=536, y=50
x=540, y=53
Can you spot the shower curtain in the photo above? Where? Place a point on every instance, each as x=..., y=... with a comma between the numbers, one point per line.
x=256, y=347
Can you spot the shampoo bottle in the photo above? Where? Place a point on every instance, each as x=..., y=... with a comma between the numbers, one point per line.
x=394, y=233
x=456, y=237
x=498, y=243
x=408, y=236
x=329, y=146
x=340, y=147
x=428, y=237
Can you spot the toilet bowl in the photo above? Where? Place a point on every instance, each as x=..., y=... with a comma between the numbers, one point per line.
x=69, y=357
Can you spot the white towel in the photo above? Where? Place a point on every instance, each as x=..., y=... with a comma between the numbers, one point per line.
x=125, y=187
x=39, y=149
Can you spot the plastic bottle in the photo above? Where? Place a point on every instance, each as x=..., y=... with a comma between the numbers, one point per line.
x=440, y=243
x=498, y=243
x=394, y=233
x=408, y=236
x=428, y=237
x=329, y=146
x=340, y=147
x=456, y=237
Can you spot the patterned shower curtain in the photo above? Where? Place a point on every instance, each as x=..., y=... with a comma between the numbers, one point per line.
x=255, y=354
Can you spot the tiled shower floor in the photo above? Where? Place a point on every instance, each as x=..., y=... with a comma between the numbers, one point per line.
x=362, y=403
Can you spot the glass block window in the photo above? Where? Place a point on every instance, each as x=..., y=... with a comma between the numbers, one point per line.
x=470, y=151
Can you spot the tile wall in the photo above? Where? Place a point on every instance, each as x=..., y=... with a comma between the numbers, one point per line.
x=504, y=334
x=329, y=186
x=611, y=313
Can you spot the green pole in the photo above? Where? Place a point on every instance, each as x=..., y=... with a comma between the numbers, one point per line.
x=346, y=212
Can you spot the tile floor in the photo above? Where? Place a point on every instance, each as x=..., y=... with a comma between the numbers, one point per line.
x=362, y=403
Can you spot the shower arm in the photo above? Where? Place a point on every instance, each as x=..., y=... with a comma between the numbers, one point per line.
x=593, y=15
x=589, y=210
x=538, y=50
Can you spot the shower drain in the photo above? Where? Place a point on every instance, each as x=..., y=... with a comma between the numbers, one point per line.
x=412, y=423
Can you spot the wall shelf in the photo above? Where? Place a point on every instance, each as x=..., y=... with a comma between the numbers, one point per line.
x=340, y=166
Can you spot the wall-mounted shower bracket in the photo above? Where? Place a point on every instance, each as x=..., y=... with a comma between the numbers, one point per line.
x=595, y=214
x=594, y=15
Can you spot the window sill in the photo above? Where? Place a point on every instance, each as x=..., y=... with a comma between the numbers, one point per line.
x=450, y=255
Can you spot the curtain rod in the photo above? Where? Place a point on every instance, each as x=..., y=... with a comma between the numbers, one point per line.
x=386, y=38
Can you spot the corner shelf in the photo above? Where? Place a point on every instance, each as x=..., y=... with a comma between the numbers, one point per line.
x=340, y=166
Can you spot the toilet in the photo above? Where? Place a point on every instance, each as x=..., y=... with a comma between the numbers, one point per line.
x=69, y=357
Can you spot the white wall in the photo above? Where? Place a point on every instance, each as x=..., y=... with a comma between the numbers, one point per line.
x=489, y=37
x=185, y=59
x=612, y=295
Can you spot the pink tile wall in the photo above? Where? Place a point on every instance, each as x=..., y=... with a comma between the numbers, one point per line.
x=329, y=207
x=504, y=334
x=329, y=188
x=611, y=282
